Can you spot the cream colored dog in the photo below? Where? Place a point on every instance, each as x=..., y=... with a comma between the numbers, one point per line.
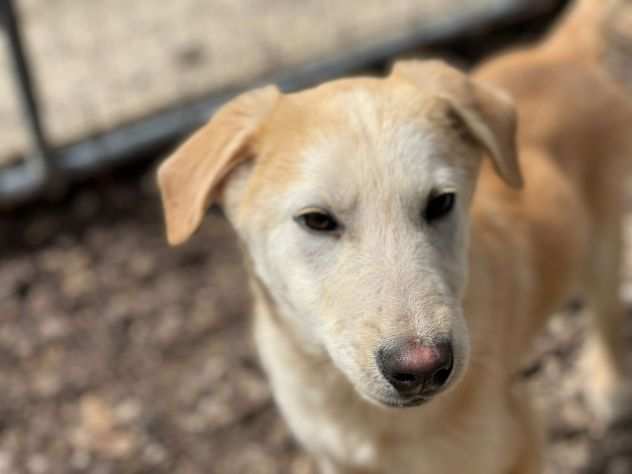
x=396, y=261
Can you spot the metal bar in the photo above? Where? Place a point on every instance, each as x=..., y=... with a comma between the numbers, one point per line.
x=26, y=90
x=135, y=139
x=30, y=177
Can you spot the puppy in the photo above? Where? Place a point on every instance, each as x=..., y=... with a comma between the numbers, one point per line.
x=402, y=260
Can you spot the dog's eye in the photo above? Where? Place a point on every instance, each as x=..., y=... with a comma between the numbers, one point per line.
x=439, y=206
x=318, y=221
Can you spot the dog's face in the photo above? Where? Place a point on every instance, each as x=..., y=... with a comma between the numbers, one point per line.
x=352, y=202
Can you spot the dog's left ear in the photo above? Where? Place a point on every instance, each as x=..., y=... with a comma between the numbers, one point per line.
x=189, y=179
x=488, y=114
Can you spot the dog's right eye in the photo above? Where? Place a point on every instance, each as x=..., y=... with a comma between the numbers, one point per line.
x=439, y=206
x=317, y=221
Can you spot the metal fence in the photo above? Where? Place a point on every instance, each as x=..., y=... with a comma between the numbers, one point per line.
x=44, y=163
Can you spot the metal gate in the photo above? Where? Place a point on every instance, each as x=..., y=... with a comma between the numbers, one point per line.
x=45, y=162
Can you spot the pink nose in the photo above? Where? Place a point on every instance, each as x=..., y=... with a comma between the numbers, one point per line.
x=412, y=367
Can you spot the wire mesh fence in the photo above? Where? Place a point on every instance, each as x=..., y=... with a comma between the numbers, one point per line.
x=112, y=78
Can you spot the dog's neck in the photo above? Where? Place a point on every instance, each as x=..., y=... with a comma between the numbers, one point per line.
x=501, y=238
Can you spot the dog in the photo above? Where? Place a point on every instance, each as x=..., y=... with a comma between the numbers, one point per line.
x=406, y=240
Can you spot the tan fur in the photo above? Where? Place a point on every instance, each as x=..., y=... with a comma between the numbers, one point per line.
x=371, y=151
x=224, y=140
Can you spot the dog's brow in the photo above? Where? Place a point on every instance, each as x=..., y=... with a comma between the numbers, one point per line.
x=337, y=202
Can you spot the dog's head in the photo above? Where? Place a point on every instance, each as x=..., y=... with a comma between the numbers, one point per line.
x=352, y=202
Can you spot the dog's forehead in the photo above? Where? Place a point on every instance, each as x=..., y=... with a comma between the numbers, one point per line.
x=361, y=103
x=358, y=134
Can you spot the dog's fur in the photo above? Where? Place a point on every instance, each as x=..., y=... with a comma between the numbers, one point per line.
x=371, y=151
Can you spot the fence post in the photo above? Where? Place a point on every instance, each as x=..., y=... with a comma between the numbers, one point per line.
x=39, y=161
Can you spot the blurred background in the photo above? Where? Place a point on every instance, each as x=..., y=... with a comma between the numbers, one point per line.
x=121, y=355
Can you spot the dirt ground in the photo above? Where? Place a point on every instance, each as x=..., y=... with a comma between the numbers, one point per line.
x=121, y=355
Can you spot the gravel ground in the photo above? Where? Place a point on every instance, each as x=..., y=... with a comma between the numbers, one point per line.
x=101, y=63
x=121, y=355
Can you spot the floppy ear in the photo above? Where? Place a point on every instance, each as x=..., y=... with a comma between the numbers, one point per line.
x=487, y=113
x=189, y=179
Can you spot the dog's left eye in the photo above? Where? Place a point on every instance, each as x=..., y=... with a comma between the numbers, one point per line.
x=439, y=206
x=318, y=221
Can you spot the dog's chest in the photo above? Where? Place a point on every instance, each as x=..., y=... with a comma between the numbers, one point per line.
x=356, y=442
x=336, y=426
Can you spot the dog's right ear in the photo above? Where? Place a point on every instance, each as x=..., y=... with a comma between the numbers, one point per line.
x=190, y=178
x=488, y=114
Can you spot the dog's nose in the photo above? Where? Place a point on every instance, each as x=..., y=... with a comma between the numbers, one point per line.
x=412, y=367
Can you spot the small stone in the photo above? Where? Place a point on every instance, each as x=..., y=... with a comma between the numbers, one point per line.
x=52, y=328
x=155, y=454
x=142, y=266
x=46, y=384
x=38, y=464
x=6, y=463
x=127, y=411
x=96, y=415
x=80, y=460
